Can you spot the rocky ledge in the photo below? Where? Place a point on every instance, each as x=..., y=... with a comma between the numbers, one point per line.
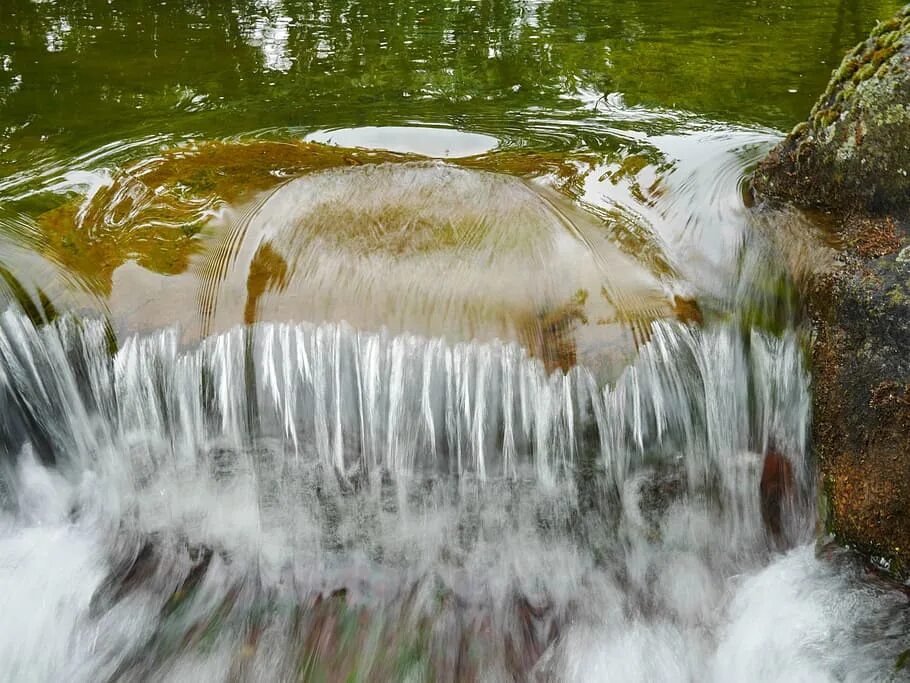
x=851, y=160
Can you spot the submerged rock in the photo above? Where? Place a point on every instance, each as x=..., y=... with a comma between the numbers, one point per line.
x=437, y=250
x=217, y=234
x=776, y=490
x=154, y=211
x=852, y=160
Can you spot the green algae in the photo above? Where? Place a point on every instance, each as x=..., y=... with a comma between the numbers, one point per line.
x=902, y=659
x=37, y=307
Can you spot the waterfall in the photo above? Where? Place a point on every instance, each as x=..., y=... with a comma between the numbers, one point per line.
x=365, y=403
x=288, y=501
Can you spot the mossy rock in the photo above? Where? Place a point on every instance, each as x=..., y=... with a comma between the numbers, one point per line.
x=851, y=158
x=154, y=209
x=861, y=407
x=853, y=153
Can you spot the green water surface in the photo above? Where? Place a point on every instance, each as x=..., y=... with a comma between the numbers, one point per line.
x=76, y=75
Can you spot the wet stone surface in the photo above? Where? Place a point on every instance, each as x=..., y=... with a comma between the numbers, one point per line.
x=851, y=159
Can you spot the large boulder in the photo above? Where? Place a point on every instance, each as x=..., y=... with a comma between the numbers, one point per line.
x=851, y=159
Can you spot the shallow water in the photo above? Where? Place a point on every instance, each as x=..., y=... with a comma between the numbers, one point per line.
x=401, y=341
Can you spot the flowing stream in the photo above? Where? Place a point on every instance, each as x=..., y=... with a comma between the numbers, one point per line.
x=290, y=500
x=402, y=341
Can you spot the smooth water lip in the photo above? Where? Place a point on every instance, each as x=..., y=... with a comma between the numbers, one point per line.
x=444, y=143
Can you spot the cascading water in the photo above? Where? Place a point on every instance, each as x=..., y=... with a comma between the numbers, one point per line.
x=290, y=501
x=562, y=434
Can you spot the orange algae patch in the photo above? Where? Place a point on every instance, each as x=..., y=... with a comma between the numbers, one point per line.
x=94, y=254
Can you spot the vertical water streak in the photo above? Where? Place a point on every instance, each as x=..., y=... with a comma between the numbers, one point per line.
x=407, y=406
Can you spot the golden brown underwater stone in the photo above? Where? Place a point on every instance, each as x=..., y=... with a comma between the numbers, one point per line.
x=212, y=235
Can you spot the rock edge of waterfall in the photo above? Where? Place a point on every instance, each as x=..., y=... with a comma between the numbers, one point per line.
x=851, y=160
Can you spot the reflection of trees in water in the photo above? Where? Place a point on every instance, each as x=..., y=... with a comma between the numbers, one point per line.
x=90, y=66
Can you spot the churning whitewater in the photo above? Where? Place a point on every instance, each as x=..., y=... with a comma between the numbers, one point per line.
x=287, y=501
